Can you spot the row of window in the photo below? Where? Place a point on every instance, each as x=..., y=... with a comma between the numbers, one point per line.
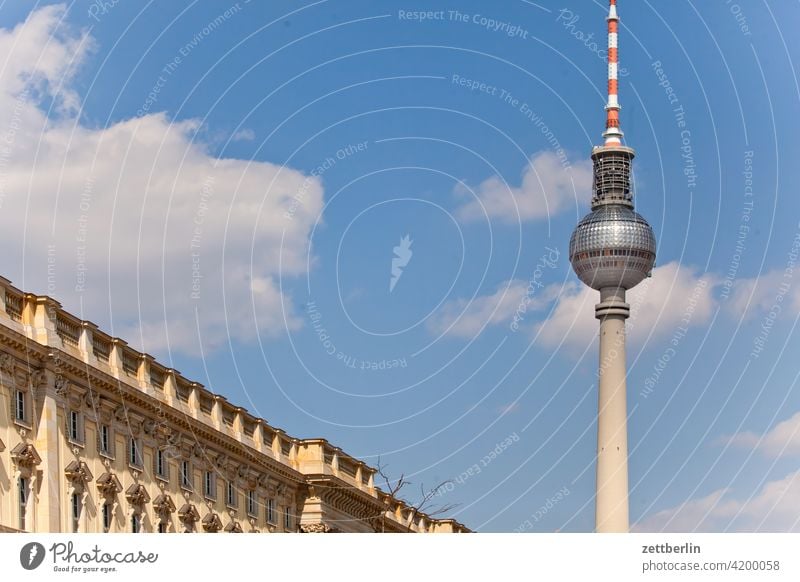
x=630, y=266
x=615, y=253
x=76, y=509
x=75, y=433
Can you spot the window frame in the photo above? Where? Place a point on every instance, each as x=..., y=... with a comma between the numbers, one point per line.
x=135, y=453
x=22, y=502
x=107, y=450
x=75, y=427
x=161, y=464
x=252, y=503
x=210, y=485
x=186, y=476
x=231, y=497
x=106, y=518
x=270, y=508
x=287, y=518
x=21, y=407
x=75, y=511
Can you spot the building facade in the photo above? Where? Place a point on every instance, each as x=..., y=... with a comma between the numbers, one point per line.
x=97, y=437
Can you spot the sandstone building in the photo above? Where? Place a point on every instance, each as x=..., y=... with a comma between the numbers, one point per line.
x=97, y=437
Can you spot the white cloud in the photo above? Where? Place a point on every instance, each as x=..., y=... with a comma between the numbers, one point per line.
x=756, y=296
x=673, y=296
x=244, y=135
x=676, y=295
x=782, y=440
x=774, y=508
x=547, y=188
x=694, y=515
x=127, y=202
x=466, y=318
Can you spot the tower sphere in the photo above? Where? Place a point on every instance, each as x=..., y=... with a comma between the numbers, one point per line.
x=613, y=246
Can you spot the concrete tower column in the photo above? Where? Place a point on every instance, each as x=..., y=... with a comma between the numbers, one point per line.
x=611, y=509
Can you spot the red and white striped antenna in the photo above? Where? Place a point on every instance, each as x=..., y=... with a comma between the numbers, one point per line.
x=613, y=133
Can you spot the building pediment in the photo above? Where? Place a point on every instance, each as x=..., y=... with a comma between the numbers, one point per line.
x=212, y=523
x=188, y=513
x=108, y=484
x=78, y=472
x=163, y=504
x=24, y=455
x=136, y=494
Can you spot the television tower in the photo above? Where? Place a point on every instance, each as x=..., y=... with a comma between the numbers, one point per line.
x=612, y=250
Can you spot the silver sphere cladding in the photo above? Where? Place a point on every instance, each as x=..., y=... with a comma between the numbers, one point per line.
x=613, y=246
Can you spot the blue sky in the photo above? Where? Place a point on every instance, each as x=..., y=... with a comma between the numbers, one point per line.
x=275, y=154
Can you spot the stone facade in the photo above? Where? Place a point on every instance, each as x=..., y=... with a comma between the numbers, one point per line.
x=97, y=437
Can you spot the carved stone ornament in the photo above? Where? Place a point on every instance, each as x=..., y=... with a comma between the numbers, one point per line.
x=78, y=473
x=7, y=364
x=212, y=523
x=61, y=385
x=37, y=378
x=137, y=495
x=163, y=505
x=317, y=528
x=108, y=485
x=90, y=399
x=25, y=456
x=188, y=513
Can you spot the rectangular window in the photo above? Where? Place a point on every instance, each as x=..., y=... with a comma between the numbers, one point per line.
x=23, y=502
x=270, y=511
x=74, y=428
x=134, y=452
x=106, y=517
x=20, y=412
x=161, y=464
x=287, y=519
x=76, y=504
x=209, y=485
x=252, y=505
x=104, y=438
x=186, y=474
x=136, y=523
x=230, y=497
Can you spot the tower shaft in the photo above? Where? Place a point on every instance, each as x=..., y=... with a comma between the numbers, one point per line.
x=611, y=509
